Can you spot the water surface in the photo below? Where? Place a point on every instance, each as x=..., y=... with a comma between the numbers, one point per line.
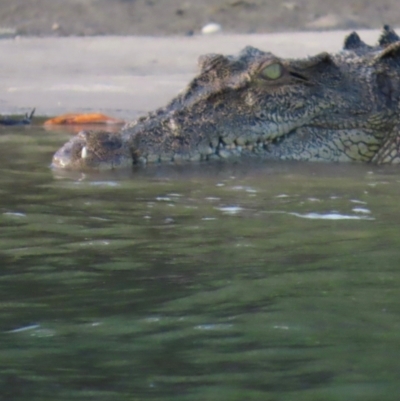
x=234, y=281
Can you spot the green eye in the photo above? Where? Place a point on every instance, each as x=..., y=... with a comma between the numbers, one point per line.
x=273, y=71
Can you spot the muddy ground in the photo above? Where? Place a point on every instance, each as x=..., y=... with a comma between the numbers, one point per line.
x=185, y=17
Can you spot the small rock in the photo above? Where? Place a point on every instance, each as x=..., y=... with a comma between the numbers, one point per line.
x=290, y=5
x=211, y=28
x=334, y=21
x=6, y=33
x=325, y=22
x=242, y=3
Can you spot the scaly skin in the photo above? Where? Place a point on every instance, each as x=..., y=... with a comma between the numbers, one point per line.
x=340, y=107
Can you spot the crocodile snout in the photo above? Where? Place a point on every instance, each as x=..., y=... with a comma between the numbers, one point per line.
x=90, y=150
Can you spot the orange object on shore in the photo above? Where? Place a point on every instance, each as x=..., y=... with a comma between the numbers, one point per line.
x=83, y=118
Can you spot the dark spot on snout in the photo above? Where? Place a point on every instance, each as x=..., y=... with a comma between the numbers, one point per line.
x=112, y=143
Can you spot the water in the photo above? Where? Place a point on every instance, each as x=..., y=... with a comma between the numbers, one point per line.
x=237, y=281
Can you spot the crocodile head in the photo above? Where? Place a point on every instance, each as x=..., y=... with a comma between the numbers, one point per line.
x=247, y=103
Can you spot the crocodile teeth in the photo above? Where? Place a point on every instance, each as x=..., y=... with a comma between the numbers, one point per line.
x=84, y=153
x=224, y=153
x=241, y=140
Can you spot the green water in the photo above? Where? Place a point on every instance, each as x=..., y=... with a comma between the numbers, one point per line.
x=274, y=281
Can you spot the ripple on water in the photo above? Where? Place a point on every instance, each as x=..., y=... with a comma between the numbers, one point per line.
x=230, y=209
x=361, y=210
x=34, y=330
x=329, y=216
x=14, y=214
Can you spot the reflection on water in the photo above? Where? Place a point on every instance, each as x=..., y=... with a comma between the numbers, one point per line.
x=275, y=281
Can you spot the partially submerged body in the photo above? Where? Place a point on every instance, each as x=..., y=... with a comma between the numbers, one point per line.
x=26, y=120
x=339, y=107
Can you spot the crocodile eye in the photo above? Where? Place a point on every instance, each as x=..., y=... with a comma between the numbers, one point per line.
x=273, y=71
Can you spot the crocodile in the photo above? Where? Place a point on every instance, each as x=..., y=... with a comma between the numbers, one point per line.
x=327, y=107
